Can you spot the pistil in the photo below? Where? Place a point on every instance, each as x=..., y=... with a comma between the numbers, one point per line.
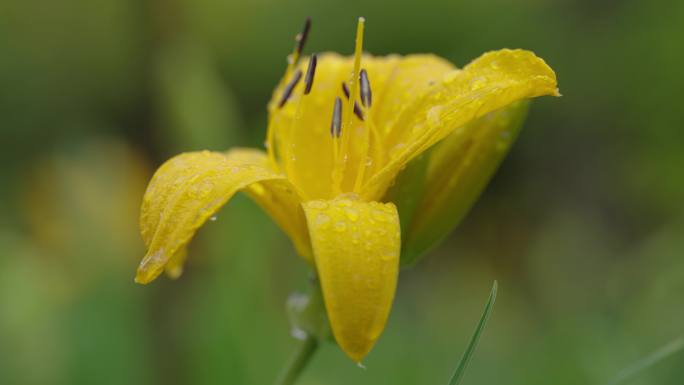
x=343, y=142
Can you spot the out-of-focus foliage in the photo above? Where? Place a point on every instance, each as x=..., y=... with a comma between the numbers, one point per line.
x=582, y=225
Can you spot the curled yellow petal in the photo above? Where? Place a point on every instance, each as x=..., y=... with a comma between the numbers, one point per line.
x=356, y=249
x=494, y=80
x=186, y=191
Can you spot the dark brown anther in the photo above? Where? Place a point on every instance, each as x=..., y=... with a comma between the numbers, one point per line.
x=357, y=109
x=301, y=37
x=310, y=72
x=365, y=89
x=289, y=88
x=345, y=89
x=336, y=125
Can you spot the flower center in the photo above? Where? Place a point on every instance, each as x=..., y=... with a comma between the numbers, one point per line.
x=349, y=140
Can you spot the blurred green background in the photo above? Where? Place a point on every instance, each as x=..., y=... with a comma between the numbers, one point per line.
x=583, y=224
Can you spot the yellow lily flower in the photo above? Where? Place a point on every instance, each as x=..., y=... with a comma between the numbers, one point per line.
x=327, y=184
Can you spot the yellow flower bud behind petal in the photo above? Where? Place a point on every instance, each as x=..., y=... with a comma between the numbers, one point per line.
x=356, y=249
x=455, y=172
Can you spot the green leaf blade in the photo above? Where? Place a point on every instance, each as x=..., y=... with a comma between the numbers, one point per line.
x=468, y=353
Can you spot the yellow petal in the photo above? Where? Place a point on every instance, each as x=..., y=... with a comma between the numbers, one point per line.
x=356, y=249
x=302, y=126
x=185, y=192
x=458, y=169
x=494, y=80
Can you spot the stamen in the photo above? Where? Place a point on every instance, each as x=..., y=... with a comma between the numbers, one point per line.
x=310, y=72
x=336, y=125
x=302, y=36
x=370, y=134
x=365, y=90
x=345, y=89
x=289, y=88
x=300, y=40
x=292, y=60
x=357, y=109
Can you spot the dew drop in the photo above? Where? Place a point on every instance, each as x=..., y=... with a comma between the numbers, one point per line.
x=213, y=218
x=318, y=205
x=340, y=226
x=434, y=116
x=344, y=203
x=298, y=333
x=397, y=149
x=352, y=213
x=477, y=83
x=322, y=219
x=379, y=216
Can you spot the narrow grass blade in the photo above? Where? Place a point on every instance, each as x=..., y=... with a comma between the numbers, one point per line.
x=673, y=347
x=468, y=354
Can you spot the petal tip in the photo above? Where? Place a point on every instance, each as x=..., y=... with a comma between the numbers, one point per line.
x=150, y=268
x=141, y=278
x=354, y=351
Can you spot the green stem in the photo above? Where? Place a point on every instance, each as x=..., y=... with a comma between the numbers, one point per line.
x=298, y=361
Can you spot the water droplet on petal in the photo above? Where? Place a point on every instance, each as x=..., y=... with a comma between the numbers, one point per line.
x=352, y=213
x=340, y=226
x=213, y=219
x=434, y=116
x=477, y=83
x=322, y=219
x=318, y=205
x=344, y=203
x=379, y=216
